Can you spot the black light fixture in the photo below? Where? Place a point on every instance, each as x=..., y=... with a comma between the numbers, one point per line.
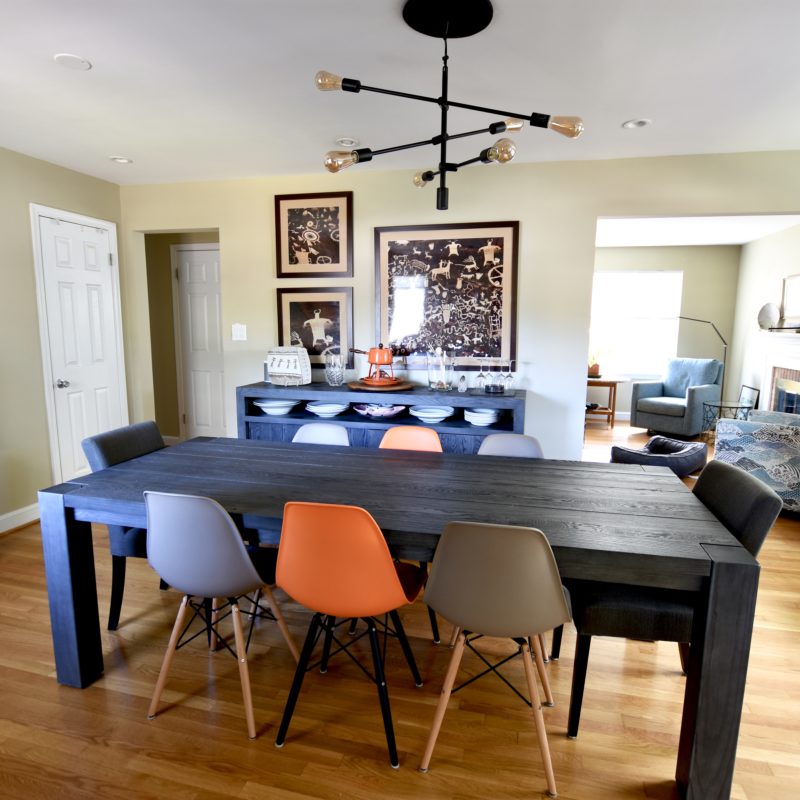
x=445, y=19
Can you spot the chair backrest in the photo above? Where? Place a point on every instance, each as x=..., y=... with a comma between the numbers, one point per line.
x=740, y=501
x=411, y=437
x=685, y=372
x=321, y=433
x=335, y=560
x=193, y=545
x=511, y=444
x=121, y=444
x=500, y=580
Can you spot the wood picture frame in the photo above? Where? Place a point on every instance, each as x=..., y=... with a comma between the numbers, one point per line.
x=314, y=235
x=790, y=302
x=451, y=286
x=318, y=319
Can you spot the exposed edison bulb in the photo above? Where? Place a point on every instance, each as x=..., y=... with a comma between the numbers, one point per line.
x=336, y=160
x=423, y=178
x=514, y=124
x=327, y=81
x=501, y=151
x=571, y=127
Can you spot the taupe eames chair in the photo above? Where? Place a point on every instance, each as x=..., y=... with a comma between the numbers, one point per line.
x=520, y=597
x=104, y=450
x=322, y=433
x=511, y=444
x=194, y=545
x=742, y=503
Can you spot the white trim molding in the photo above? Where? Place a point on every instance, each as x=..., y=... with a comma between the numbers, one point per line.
x=19, y=518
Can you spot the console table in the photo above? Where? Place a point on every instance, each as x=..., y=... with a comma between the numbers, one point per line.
x=608, y=411
x=457, y=435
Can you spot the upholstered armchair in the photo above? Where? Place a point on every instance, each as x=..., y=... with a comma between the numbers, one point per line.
x=767, y=446
x=674, y=404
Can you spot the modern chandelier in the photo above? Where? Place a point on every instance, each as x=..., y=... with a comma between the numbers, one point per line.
x=445, y=19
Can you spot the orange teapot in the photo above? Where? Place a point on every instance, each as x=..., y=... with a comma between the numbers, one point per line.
x=379, y=357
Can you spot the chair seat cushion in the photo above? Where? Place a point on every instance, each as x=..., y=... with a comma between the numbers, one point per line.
x=632, y=612
x=660, y=451
x=666, y=406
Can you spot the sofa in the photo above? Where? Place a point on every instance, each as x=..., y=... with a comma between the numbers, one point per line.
x=674, y=405
x=767, y=445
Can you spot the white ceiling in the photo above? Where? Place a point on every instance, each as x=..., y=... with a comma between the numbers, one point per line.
x=211, y=89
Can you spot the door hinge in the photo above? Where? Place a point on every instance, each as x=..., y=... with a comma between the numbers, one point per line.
x=177, y=274
x=110, y=260
x=184, y=419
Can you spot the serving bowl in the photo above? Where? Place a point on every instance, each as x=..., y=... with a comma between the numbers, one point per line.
x=431, y=414
x=378, y=409
x=326, y=410
x=275, y=408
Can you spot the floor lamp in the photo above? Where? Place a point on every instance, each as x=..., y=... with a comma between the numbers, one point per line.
x=724, y=350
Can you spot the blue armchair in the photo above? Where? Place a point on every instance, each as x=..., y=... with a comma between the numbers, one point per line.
x=674, y=405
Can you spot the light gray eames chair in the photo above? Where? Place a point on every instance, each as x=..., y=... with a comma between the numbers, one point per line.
x=520, y=596
x=321, y=433
x=105, y=450
x=511, y=444
x=742, y=503
x=194, y=545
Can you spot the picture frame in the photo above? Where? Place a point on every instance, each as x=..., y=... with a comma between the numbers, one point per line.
x=314, y=235
x=451, y=286
x=790, y=302
x=318, y=319
x=748, y=395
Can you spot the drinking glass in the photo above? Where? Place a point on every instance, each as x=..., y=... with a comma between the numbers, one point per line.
x=480, y=378
x=334, y=369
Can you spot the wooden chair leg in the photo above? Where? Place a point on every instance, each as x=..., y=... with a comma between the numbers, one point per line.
x=444, y=698
x=538, y=718
x=282, y=626
x=579, y=668
x=244, y=673
x=543, y=646
x=118, y=564
x=542, y=670
x=180, y=621
x=454, y=636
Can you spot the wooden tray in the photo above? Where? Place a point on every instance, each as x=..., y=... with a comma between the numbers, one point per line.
x=368, y=387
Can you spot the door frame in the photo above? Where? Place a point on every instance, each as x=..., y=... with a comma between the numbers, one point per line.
x=174, y=249
x=37, y=212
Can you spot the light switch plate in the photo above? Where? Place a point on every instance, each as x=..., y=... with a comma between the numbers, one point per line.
x=239, y=332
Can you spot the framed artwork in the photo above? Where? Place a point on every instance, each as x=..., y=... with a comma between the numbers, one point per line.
x=320, y=320
x=748, y=396
x=790, y=305
x=448, y=286
x=314, y=235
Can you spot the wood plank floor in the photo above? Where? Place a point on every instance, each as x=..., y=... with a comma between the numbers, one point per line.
x=97, y=743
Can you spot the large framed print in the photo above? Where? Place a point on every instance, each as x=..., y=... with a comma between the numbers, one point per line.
x=448, y=286
x=790, y=303
x=320, y=320
x=314, y=235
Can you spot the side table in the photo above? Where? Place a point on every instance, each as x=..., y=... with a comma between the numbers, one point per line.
x=608, y=411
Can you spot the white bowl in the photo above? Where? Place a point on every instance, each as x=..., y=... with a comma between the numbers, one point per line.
x=488, y=411
x=378, y=409
x=326, y=410
x=275, y=408
x=431, y=414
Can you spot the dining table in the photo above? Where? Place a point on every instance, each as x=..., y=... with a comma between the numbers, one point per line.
x=615, y=523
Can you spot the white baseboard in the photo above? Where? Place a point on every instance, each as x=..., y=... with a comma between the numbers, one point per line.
x=18, y=518
x=623, y=415
x=170, y=440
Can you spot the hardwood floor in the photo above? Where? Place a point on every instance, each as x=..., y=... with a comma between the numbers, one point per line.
x=98, y=743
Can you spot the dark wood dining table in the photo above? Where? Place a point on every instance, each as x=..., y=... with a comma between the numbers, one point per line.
x=617, y=523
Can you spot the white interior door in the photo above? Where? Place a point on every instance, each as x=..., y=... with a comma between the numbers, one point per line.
x=200, y=357
x=81, y=332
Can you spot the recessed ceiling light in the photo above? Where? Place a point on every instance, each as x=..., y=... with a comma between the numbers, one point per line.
x=70, y=61
x=121, y=159
x=347, y=141
x=637, y=123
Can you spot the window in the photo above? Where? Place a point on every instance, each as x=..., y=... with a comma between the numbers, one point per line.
x=634, y=328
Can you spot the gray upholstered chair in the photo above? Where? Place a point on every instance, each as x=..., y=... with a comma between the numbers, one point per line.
x=743, y=504
x=321, y=433
x=105, y=450
x=511, y=444
x=194, y=545
x=675, y=404
x=519, y=597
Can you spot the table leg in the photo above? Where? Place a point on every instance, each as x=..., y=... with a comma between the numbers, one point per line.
x=612, y=401
x=71, y=591
x=715, y=682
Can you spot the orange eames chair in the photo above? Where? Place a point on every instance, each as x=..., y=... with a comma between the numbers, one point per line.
x=411, y=437
x=334, y=560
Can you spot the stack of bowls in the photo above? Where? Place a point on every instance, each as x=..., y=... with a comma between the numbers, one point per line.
x=275, y=408
x=481, y=416
x=431, y=414
x=326, y=410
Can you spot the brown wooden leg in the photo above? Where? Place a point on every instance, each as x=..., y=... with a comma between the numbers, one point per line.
x=542, y=670
x=282, y=626
x=180, y=621
x=543, y=645
x=454, y=636
x=244, y=674
x=538, y=718
x=447, y=688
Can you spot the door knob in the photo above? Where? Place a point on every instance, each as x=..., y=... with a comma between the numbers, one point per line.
x=61, y=383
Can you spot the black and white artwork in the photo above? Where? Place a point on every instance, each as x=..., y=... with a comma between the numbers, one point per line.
x=448, y=286
x=319, y=320
x=313, y=233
